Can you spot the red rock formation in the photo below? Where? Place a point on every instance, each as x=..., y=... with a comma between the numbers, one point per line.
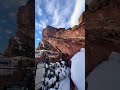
x=64, y=41
x=26, y=23
x=22, y=44
x=102, y=32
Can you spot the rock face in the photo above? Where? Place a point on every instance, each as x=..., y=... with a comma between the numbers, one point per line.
x=102, y=31
x=98, y=4
x=23, y=43
x=67, y=42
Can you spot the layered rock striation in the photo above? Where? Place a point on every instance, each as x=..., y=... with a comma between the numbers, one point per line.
x=67, y=42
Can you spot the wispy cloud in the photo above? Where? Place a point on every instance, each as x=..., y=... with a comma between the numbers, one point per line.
x=38, y=10
x=9, y=32
x=57, y=13
x=54, y=13
x=38, y=39
x=60, y=11
x=78, y=10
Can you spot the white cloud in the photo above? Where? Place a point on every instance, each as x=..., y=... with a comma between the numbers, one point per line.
x=56, y=17
x=38, y=39
x=50, y=6
x=78, y=10
x=9, y=32
x=38, y=10
x=55, y=13
x=40, y=32
x=37, y=25
x=43, y=23
x=59, y=11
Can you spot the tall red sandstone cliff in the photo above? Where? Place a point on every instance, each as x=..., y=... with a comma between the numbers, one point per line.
x=67, y=42
x=22, y=44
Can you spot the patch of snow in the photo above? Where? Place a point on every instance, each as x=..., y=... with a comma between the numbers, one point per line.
x=17, y=39
x=65, y=84
x=38, y=53
x=78, y=69
x=55, y=73
x=106, y=76
x=52, y=89
x=19, y=42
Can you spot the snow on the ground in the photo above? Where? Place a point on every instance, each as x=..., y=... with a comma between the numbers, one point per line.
x=65, y=84
x=77, y=73
x=17, y=39
x=56, y=76
x=106, y=76
x=78, y=69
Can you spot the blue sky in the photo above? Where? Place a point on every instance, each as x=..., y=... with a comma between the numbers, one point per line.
x=8, y=11
x=57, y=13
